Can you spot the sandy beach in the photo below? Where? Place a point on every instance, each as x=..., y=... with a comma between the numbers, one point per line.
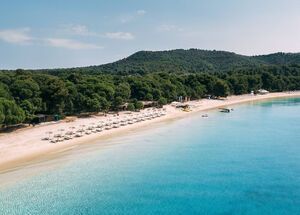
x=26, y=145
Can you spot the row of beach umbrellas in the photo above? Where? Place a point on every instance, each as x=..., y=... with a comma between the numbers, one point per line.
x=111, y=123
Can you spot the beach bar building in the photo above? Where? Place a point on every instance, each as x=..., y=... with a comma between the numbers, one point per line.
x=262, y=92
x=148, y=104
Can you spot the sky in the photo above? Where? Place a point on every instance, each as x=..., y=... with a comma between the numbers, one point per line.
x=71, y=33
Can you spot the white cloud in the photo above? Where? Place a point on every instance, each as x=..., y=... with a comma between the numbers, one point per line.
x=141, y=12
x=78, y=30
x=21, y=36
x=126, y=19
x=169, y=28
x=119, y=35
x=130, y=17
x=16, y=36
x=70, y=44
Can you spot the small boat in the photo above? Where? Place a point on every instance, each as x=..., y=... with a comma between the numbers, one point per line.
x=205, y=115
x=186, y=109
x=225, y=110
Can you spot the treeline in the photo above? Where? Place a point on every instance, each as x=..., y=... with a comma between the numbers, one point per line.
x=184, y=61
x=24, y=94
x=191, y=61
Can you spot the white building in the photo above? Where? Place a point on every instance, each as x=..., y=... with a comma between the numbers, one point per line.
x=262, y=92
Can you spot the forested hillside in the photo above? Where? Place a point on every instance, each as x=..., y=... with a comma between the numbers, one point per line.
x=279, y=58
x=159, y=76
x=191, y=61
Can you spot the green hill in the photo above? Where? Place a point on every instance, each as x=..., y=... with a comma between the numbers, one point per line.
x=279, y=58
x=185, y=61
x=193, y=61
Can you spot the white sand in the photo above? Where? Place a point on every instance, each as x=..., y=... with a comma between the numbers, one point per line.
x=26, y=145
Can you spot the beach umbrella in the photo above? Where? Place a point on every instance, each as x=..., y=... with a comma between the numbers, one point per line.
x=49, y=133
x=61, y=130
x=72, y=128
x=82, y=126
x=69, y=133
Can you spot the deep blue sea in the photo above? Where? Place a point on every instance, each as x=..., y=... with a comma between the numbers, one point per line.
x=245, y=162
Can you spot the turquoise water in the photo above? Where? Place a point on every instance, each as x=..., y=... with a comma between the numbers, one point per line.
x=245, y=162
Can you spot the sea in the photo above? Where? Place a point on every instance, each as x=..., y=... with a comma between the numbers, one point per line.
x=246, y=162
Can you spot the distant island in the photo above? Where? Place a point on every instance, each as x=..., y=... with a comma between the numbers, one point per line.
x=157, y=76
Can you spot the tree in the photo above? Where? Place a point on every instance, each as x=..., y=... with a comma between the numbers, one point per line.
x=75, y=78
x=254, y=82
x=93, y=105
x=28, y=108
x=118, y=101
x=138, y=105
x=156, y=94
x=221, y=88
x=105, y=90
x=199, y=91
x=139, y=89
x=5, y=79
x=130, y=107
x=13, y=114
x=149, y=97
x=71, y=103
x=2, y=113
x=25, y=89
x=4, y=91
x=104, y=104
x=267, y=80
x=239, y=85
x=54, y=93
x=162, y=101
x=123, y=91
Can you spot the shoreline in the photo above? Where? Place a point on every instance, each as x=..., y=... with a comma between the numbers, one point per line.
x=24, y=147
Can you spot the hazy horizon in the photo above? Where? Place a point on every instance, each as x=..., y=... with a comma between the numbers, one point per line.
x=60, y=34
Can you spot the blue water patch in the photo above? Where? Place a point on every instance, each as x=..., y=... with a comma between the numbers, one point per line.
x=245, y=162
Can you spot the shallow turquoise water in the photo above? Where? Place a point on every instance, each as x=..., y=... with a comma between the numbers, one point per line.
x=245, y=162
